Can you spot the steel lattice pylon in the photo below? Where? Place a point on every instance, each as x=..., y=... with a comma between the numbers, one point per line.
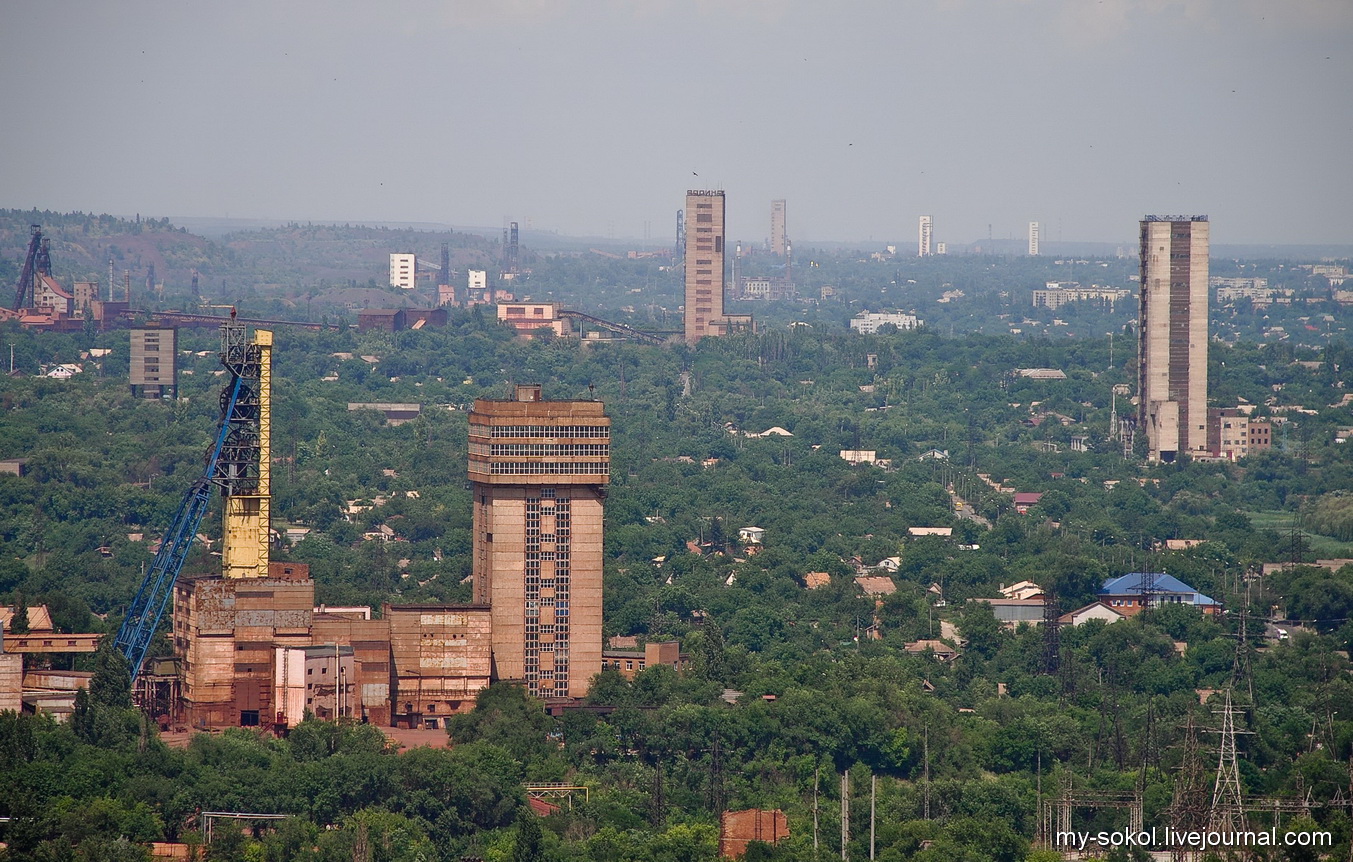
x=1228, y=808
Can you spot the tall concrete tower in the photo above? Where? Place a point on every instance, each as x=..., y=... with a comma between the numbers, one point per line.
x=779, y=244
x=538, y=471
x=704, y=263
x=154, y=362
x=1033, y=239
x=1172, y=357
x=923, y=243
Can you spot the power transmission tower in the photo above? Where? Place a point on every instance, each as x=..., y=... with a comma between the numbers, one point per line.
x=1149, y=589
x=1187, y=808
x=1241, y=670
x=1295, y=549
x=1052, y=640
x=1227, y=813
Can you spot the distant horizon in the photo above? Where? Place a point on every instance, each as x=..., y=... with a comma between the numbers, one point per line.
x=492, y=232
x=215, y=227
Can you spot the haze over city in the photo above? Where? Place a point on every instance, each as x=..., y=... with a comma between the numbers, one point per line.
x=594, y=118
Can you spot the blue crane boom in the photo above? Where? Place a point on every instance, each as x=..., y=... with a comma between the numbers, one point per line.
x=147, y=608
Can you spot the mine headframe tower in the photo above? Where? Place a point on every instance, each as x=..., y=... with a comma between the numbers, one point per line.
x=239, y=464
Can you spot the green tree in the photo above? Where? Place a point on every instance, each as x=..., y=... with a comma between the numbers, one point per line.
x=529, y=846
x=19, y=622
x=981, y=629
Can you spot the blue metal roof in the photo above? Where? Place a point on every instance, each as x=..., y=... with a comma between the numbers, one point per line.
x=1131, y=584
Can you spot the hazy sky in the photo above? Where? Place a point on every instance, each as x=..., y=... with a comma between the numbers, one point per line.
x=595, y=116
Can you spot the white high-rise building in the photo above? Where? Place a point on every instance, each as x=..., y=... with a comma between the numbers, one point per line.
x=477, y=284
x=923, y=243
x=404, y=270
x=1033, y=239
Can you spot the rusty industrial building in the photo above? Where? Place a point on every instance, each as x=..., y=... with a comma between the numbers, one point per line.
x=737, y=829
x=253, y=648
x=256, y=651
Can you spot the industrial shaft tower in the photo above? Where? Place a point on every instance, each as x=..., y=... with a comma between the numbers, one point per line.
x=238, y=462
x=244, y=468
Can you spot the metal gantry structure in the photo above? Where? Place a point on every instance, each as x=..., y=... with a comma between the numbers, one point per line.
x=37, y=261
x=147, y=608
x=235, y=464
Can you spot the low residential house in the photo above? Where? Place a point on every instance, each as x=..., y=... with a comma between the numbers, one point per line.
x=936, y=594
x=354, y=508
x=876, y=585
x=39, y=619
x=1012, y=612
x=930, y=531
x=383, y=533
x=813, y=580
x=1332, y=565
x=62, y=372
x=751, y=535
x=1132, y=593
x=1182, y=544
x=1093, y=611
x=890, y=564
x=859, y=456
x=1026, y=500
x=1022, y=590
x=941, y=650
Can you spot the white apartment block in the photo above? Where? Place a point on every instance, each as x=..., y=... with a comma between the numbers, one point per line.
x=868, y=322
x=404, y=270
x=923, y=244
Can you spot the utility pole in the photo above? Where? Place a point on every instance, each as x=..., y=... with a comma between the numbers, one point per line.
x=817, y=772
x=1240, y=668
x=873, y=794
x=925, y=748
x=845, y=811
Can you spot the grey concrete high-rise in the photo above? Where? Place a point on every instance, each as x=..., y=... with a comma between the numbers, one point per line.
x=1172, y=331
x=779, y=242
